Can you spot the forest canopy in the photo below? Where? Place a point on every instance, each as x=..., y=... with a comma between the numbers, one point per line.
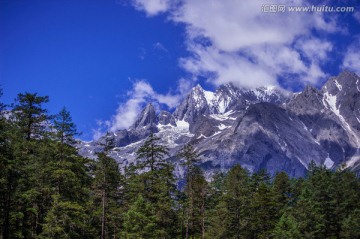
x=47, y=190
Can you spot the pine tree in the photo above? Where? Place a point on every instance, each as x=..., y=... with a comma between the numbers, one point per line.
x=263, y=213
x=30, y=115
x=281, y=192
x=66, y=220
x=7, y=175
x=350, y=227
x=156, y=184
x=65, y=129
x=68, y=182
x=196, y=203
x=152, y=154
x=152, y=166
x=107, y=182
x=190, y=157
x=30, y=152
x=140, y=220
x=232, y=210
x=2, y=105
x=217, y=211
x=287, y=227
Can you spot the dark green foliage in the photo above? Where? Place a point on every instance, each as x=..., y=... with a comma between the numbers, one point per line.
x=43, y=182
x=327, y=199
x=152, y=180
x=67, y=220
x=195, y=204
x=287, y=227
x=29, y=114
x=140, y=220
x=47, y=190
x=151, y=154
x=64, y=127
x=2, y=105
x=350, y=226
x=281, y=193
x=195, y=193
x=107, y=195
x=189, y=155
x=235, y=202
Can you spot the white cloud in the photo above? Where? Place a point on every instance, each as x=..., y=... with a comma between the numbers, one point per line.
x=141, y=93
x=97, y=133
x=102, y=127
x=152, y=7
x=234, y=41
x=315, y=48
x=314, y=74
x=227, y=68
x=352, y=57
x=184, y=86
x=233, y=24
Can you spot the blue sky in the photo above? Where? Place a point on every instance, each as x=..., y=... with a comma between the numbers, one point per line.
x=104, y=59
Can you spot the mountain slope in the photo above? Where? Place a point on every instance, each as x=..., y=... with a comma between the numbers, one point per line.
x=263, y=128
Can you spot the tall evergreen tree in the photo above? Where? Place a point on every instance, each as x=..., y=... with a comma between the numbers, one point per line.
x=281, y=192
x=2, y=105
x=286, y=227
x=7, y=175
x=66, y=220
x=140, y=220
x=196, y=204
x=190, y=157
x=107, y=183
x=65, y=129
x=232, y=210
x=156, y=184
x=151, y=154
x=29, y=150
x=263, y=212
x=30, y=114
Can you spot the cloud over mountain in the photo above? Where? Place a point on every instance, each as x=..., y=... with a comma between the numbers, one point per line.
x=141, y=93
x=234, y=41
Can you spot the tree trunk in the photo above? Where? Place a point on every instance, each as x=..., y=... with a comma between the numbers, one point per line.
x=203, y=218
x=103, y=216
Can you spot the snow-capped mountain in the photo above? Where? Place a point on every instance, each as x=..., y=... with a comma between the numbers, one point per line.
x=260, y=128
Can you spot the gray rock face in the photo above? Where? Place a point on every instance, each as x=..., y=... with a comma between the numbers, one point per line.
x=195, y=104
x=147, y=118
x=266, y=136
x=263, y=128
x=166, y=118
x=346, y=89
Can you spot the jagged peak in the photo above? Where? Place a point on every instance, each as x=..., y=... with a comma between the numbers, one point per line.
x=146, y=117
x=198, y=86
x=347, y=73
x=345, y=80
x=310, y=88
x=311, y=91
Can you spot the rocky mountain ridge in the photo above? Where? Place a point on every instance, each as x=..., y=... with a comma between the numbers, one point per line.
x=264, y=128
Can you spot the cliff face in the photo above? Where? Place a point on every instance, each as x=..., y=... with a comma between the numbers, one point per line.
x=264, y=128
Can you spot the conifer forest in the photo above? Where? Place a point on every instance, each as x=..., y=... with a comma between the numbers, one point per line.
x=47, y=190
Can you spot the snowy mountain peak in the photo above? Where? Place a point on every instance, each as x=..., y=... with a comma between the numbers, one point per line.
x=257, y=128
x=147, y=117
x=346, y=82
